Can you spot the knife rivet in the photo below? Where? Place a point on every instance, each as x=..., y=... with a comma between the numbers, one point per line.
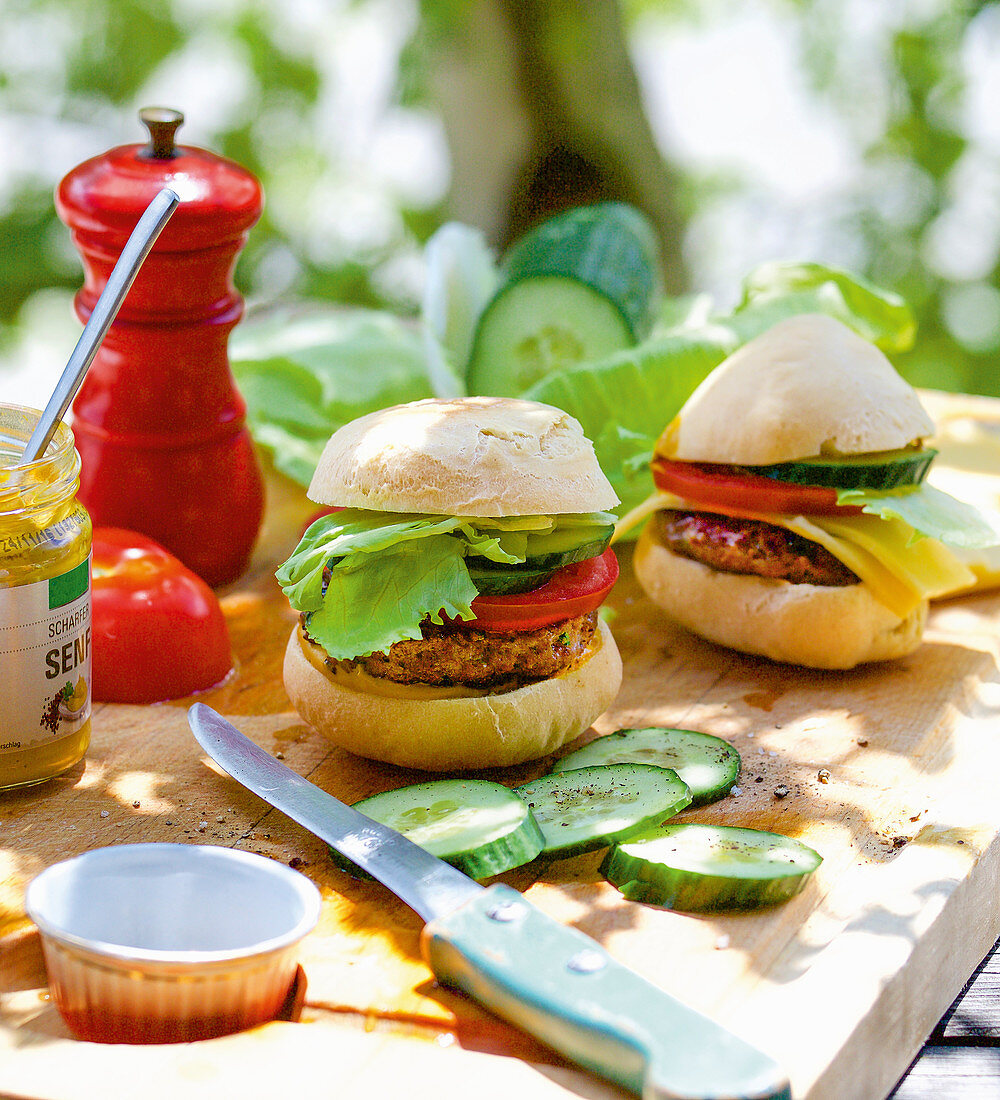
x=586, y=961
x=506, y=911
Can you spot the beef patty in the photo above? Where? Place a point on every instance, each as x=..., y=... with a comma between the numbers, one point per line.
x=732, y=544
x=450, y=655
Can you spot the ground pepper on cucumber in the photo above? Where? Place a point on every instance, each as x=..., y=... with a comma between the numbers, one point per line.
x=620, y=792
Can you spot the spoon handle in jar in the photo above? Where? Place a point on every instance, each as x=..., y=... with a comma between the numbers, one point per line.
x=136, y=249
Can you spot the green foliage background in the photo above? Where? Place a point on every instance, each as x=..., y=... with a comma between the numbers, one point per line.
x=88, y=65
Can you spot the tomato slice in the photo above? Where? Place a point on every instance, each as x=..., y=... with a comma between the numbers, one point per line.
x=730, y=488
x=158, y=630
x=574, y=590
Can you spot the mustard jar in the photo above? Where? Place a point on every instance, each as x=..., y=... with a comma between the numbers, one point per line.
x=45, y=543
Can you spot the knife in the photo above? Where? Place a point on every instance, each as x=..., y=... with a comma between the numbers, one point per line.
x=550, y=980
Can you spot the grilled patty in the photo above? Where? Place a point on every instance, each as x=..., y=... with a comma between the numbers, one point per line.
x=448, y=655
x=732, y=544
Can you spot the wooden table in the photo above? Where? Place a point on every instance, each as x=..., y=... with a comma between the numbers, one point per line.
x=961, y=1059
x=889, y=771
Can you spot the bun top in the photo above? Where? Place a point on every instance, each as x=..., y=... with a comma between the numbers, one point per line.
x=807, y=386
x=471, y=456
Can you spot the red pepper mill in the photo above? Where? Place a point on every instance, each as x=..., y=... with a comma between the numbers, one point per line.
x=159, y=424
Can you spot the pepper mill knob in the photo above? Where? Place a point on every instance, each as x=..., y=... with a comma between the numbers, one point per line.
x=162, y=124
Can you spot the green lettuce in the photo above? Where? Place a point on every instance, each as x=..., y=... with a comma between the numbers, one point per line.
x=382, y=600
x=625, y=401
x=365, y=580
x=930, y=512
x=304, y=373
x=775, y=291
x=461, y=277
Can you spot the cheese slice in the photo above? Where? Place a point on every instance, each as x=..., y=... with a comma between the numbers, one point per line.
x=899, y=571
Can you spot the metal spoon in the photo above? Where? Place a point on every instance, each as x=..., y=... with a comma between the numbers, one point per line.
x=136, y=249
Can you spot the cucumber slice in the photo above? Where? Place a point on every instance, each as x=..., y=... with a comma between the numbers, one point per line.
x=707, y=764
x=609, y=246
x=540, y=325
x=578, y=287
x=545, y=554
x=700, y=868
x=593, y=807
x=480, y=827
x=565, y=545
x=498, y=579
x=880, y=471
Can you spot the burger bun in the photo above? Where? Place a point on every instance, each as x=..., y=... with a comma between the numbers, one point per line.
x=807, y=386
x=470, y=456
x=802, y=624
x=419, y=730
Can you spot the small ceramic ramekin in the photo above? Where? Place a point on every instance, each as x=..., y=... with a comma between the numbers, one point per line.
x=167, y=943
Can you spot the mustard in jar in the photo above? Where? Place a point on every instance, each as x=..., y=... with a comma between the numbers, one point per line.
x=45, y=541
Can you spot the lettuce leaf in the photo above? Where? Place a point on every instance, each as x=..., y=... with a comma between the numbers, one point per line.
x=778, y=290
x=461, y=277
x=625, y=401
x=384, y=598
x=930, y=512
x=366, y=579
x=303, y=373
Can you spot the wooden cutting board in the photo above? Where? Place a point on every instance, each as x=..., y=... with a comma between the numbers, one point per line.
x=889, y=772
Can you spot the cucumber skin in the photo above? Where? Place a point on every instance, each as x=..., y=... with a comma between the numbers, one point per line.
x=610, y=247
x=714, y=893
x=511, y=580
x=655, y=883
x=895, y=473
x=520, y=844
x=489, y=370
x=502, y=854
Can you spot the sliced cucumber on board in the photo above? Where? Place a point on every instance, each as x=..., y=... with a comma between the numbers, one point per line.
x=578, y=287
x=701, y=868
x=707, y=764
x=879, y=471
x=593, y=807
x=480, y=827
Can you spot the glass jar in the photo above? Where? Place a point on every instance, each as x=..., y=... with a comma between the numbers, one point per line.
x=45, y=539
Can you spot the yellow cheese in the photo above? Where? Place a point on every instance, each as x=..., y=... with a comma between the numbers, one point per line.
x=899, y=573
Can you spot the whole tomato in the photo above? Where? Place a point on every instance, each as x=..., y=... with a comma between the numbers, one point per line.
x=158, y=630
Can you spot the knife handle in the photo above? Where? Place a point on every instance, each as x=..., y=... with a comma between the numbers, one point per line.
x=561, y=986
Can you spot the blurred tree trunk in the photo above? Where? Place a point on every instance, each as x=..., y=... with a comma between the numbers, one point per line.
x=543, y=111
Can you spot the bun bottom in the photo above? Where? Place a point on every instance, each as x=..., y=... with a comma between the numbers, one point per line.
x=800, y=624
x=455, y=734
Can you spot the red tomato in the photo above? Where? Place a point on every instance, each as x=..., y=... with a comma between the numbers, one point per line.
x=158, y=630
x=728, y=488
x=573, y=590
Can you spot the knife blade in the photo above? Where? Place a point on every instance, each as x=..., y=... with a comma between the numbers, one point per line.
x=550, y=980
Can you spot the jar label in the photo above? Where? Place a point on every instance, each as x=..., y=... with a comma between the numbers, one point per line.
x=45, y=652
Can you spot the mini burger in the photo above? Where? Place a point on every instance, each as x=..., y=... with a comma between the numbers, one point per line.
x=448, y=607
x=792, y=519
